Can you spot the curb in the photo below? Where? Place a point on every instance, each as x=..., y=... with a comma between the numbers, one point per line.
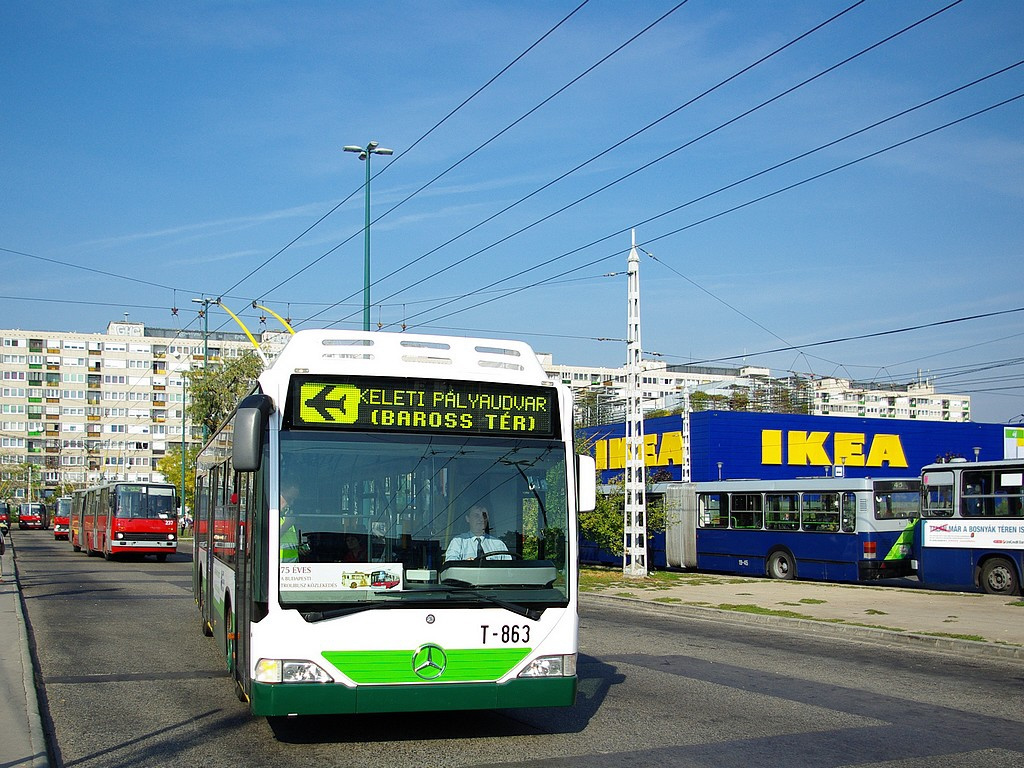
x=831, y=629
x=37, y=738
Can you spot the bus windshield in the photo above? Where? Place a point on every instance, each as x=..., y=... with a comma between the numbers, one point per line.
x=897, y=499
x=145, y=501
x=417, y=517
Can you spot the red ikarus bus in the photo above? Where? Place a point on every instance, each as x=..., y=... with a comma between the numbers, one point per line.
x=123, y=518
x=33, y=515
x=61, y=517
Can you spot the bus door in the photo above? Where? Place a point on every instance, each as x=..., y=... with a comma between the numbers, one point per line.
x=202, y=554
x=241, y=515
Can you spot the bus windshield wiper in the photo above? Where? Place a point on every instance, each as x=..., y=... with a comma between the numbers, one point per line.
x=333, y=613
x=449, y=593
x=521, y=610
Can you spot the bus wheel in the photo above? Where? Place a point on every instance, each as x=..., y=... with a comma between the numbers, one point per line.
x=161, y=557
x=781, y=565
x=998, y=577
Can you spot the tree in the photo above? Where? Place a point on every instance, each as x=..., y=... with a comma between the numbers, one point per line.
x=215, y=391
x=170, y=467
x=25, y=476
x=605, y=525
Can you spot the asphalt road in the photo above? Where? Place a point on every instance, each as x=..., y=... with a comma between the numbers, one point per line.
x=130, y=681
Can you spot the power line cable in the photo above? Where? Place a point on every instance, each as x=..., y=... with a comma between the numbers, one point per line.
x=670, y=153
x=86, y=269
x=861, y=337
x=481, y=146
x=592, y=159
x=401, y=154
x=706, y=219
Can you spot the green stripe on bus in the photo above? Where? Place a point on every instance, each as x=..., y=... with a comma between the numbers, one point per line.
x=904, y=544
x=460, y=665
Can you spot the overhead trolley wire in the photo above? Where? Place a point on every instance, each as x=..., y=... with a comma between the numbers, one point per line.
x=712, y=217
x=685, y=145
x=486, y=143
x=397, y=157
x=862, y=336
x=706, y=196
x=590, y=160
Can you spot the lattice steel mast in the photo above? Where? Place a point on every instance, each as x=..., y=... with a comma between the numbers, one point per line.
x=634, y=552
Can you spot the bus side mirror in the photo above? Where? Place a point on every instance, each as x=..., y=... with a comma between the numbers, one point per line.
x=586, y=482
x=247, y=438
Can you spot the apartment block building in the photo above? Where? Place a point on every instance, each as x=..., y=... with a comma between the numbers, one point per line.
x=683, y=389
x=81, y=408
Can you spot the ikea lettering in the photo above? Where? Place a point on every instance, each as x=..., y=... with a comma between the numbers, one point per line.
x=851, y=449
x=660, y=450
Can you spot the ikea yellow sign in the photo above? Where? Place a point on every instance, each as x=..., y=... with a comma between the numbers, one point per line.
x=779, y=447
x=660, y=450
x=850, y=449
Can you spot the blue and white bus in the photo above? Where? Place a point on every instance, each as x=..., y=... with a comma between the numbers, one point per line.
x=831, y=529
x=972, y=526
x=325, y=506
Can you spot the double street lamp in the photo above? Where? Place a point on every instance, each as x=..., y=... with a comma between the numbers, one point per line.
x=364, y=154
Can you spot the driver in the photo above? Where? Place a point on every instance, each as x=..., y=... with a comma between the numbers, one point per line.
x=476, y=543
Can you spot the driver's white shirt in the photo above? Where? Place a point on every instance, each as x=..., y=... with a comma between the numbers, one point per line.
x=464, y=547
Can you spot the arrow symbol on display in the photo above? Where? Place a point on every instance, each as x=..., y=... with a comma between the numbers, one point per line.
x=324, y=405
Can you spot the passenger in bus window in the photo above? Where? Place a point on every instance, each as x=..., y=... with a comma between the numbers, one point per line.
x=477, y=542
x=355, y=548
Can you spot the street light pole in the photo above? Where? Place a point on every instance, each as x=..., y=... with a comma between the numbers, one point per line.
x=364, y=154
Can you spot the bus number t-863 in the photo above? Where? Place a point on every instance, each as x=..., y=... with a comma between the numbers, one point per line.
x=507, y=633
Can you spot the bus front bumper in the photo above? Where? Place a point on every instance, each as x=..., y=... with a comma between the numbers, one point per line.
x=277, y=699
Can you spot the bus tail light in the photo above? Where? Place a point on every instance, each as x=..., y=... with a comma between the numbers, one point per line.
x=551, y=666
x=290, y=671
x=870, y=550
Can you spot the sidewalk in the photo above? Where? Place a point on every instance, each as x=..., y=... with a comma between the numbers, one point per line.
x=22, y=744
x=965, y=622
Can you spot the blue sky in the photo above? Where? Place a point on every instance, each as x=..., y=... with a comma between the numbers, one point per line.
x=188, y=146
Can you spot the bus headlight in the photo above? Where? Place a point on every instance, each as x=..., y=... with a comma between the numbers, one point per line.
x=290, y=671
x=551, y=666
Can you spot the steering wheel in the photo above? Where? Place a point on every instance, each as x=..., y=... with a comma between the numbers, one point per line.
x=499, y=553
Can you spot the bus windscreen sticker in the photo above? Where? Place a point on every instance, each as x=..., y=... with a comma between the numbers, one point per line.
x=423, y=405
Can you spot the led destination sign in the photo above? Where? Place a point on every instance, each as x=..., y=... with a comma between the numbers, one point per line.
x=423, y=405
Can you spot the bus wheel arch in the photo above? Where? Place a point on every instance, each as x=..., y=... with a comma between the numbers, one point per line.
x=998, y=575
x=780, y=564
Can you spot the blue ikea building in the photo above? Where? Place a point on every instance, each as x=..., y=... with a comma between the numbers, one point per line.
x=731, y=445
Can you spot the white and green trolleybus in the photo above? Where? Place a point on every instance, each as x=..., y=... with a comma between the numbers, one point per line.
x=326, y=504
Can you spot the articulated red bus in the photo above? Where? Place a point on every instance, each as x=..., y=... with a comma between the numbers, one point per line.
x=75, y=520
x=33, y=515
x=130, y=518
x=61, y=517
